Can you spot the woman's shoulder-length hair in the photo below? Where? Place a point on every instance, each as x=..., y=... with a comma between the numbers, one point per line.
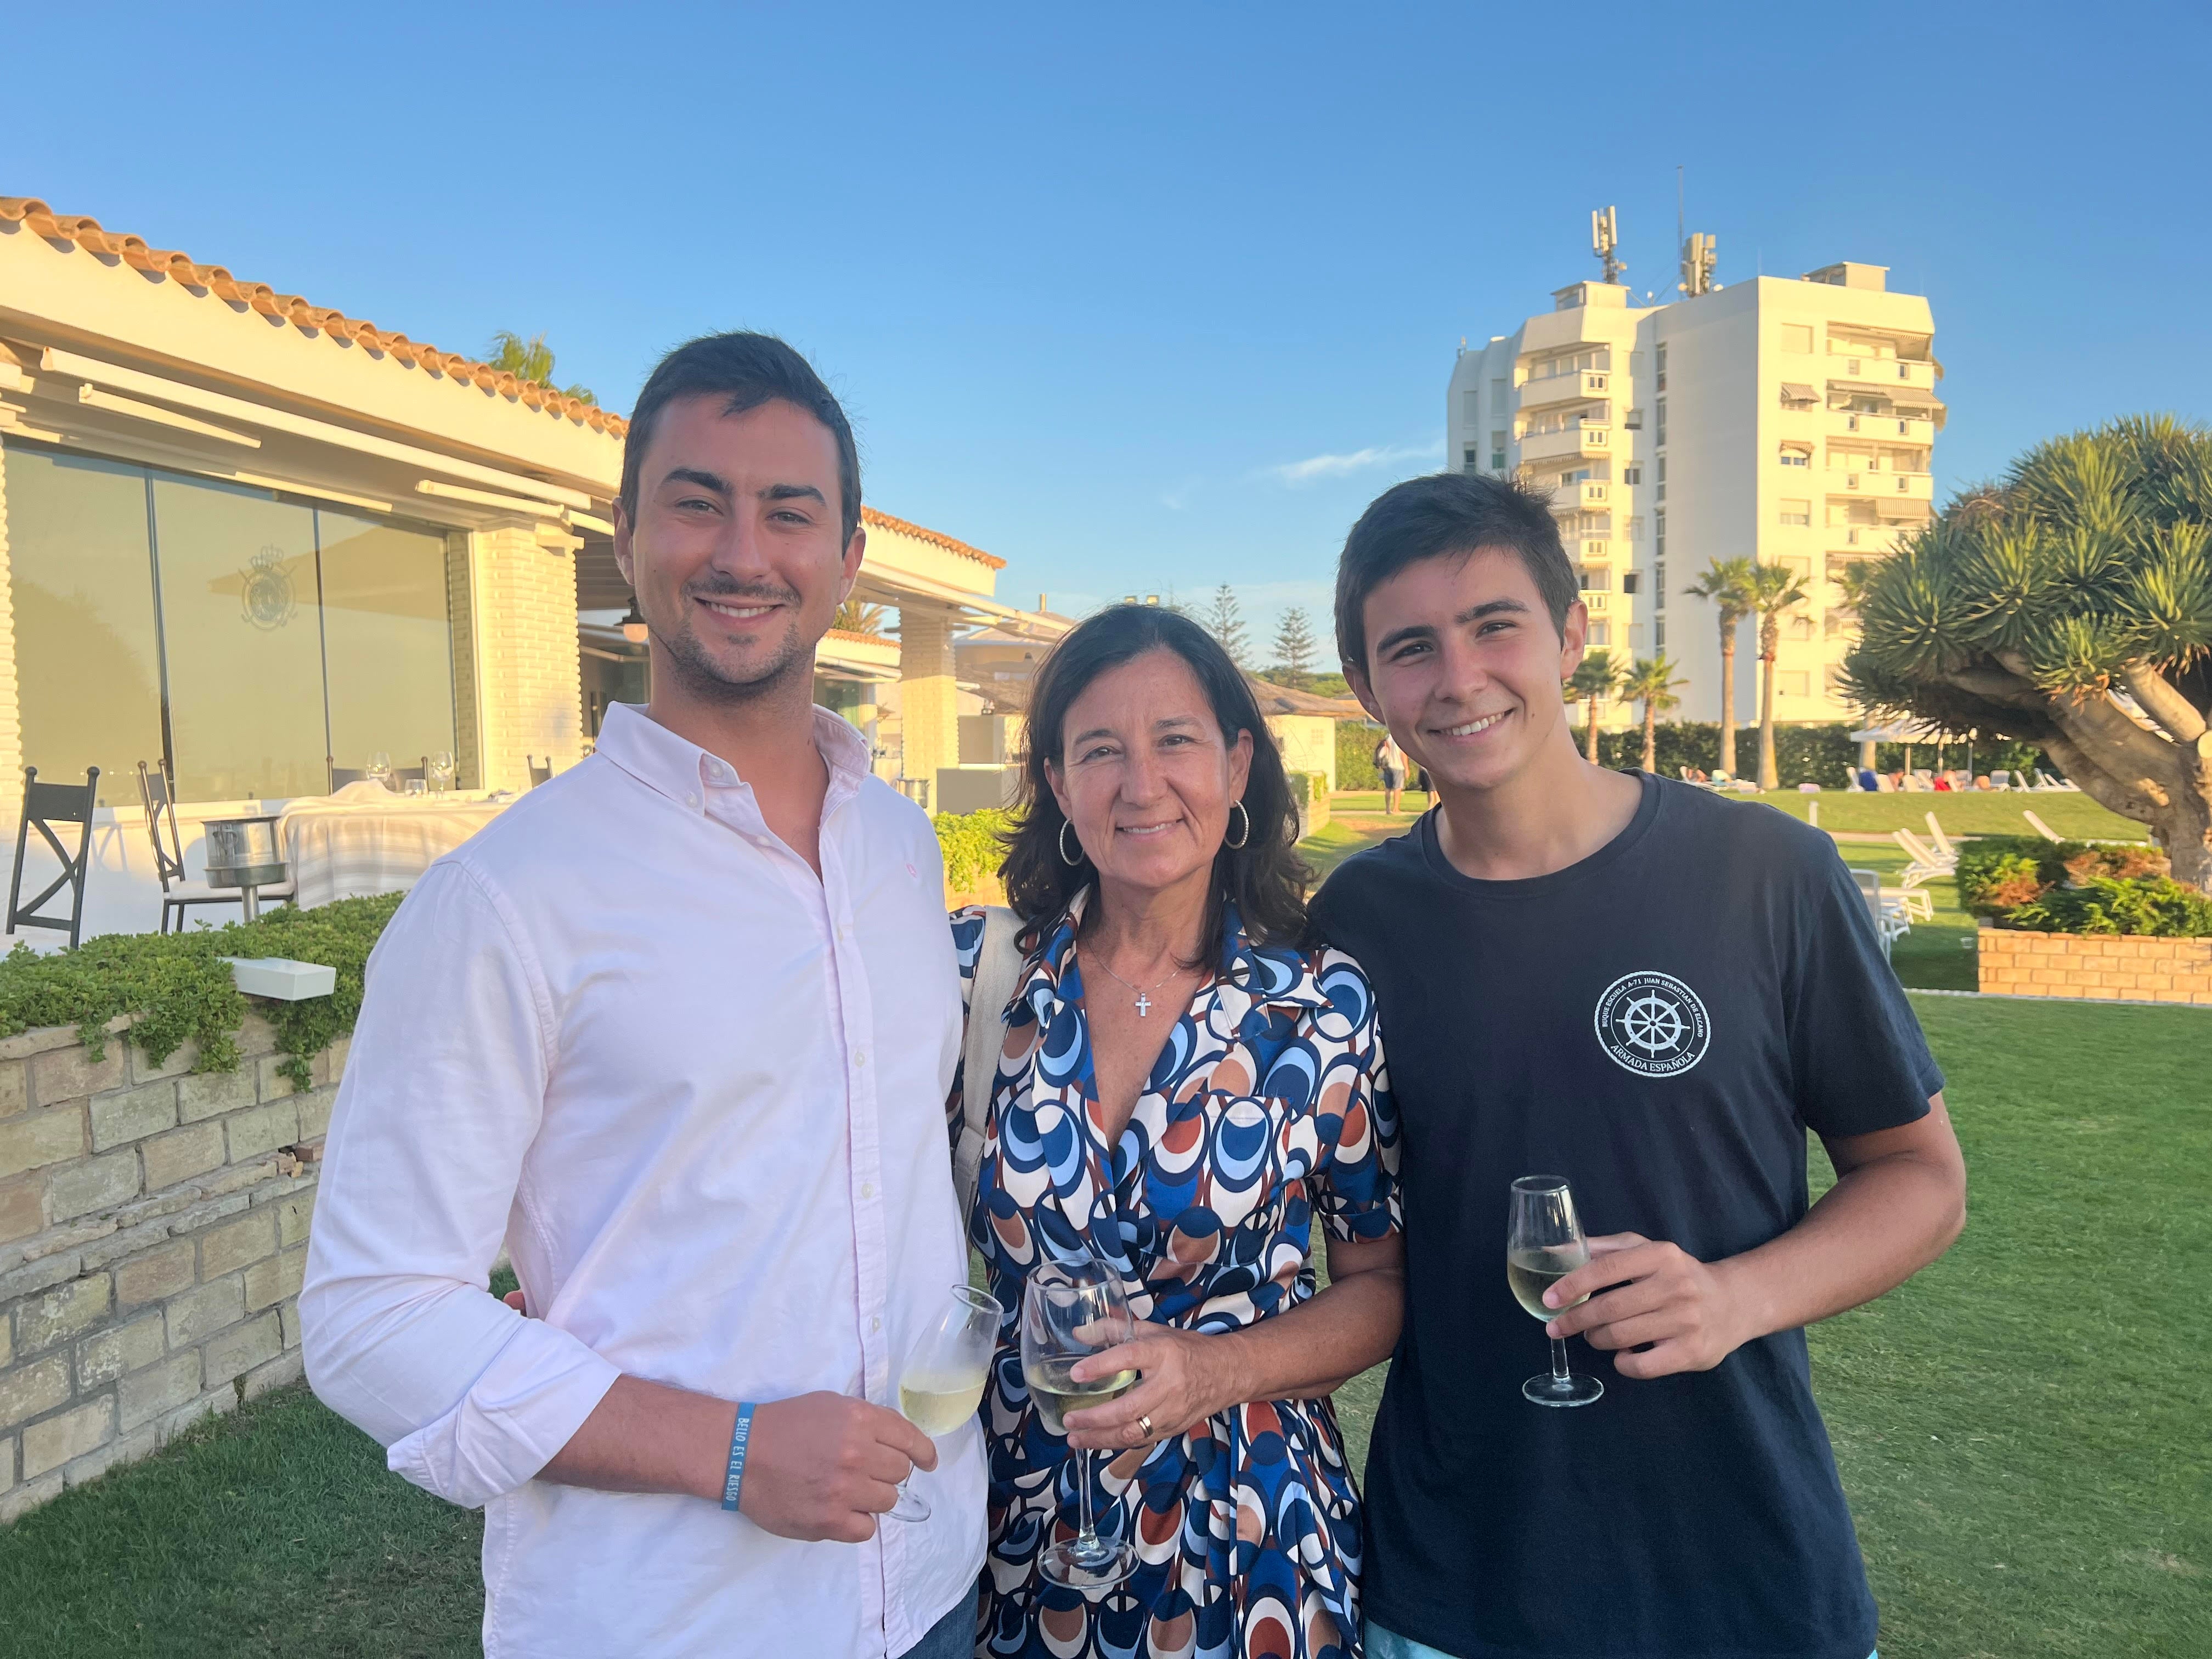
x=1264, y=877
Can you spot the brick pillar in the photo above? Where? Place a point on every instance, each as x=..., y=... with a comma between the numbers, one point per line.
x=929, y=701
x=529, y=689
x=11, y=712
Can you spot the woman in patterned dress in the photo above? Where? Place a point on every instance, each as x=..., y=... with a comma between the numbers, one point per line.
x=1181, y=1088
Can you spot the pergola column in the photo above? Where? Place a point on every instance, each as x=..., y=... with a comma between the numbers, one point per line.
x=929, y=705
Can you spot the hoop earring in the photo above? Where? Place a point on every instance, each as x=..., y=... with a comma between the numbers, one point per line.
x=1237, y=807
x=1063, y=838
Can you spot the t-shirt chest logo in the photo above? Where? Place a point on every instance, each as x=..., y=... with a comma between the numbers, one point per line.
x=1652, y=1024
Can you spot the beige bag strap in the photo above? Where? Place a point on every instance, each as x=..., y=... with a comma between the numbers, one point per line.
x=998, y=966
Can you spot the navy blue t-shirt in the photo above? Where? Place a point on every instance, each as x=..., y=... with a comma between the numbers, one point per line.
x=1660, y=1023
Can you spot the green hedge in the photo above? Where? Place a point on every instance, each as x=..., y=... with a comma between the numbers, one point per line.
x=178, y=990
x=1355, y=755
x=2073, y=887
x=973, y=845
x=1822, y=754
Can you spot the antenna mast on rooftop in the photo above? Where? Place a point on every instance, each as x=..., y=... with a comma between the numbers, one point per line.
x=1605, y=242
x=1700, y=251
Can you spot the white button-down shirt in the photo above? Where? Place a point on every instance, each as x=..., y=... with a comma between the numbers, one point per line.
x=700, y=1093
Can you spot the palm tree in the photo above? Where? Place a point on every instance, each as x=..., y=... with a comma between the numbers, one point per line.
x=1652, y=682
x=1594, y=680
x=1729, y=584
x=1776, y=588
x=530, y=360
x=854, y=616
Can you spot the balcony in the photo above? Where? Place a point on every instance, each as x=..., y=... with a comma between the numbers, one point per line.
x=1900, y=486
x=1887, y=428
x=1882, y=371
x=1867, y=541
x=1580, y=438
x=1605, y=604
x=1591, y=549
x=1580, y=386
x=1583, y=497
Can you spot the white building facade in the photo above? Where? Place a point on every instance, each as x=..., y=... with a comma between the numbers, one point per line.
x=1790, y=422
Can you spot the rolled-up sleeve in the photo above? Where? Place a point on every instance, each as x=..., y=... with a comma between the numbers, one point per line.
x=444, y=1087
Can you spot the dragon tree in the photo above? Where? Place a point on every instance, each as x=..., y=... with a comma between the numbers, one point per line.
x=2069, y=607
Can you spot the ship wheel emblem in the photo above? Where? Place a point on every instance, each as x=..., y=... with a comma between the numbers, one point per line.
x=1653, y=1024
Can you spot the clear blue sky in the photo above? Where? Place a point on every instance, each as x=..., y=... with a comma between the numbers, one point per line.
x=1093, y=287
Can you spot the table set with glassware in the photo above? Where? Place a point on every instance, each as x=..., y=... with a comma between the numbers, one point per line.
x=380, y=831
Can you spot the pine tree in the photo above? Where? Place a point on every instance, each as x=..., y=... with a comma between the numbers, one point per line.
x=1224, y=620
x=1296, y=649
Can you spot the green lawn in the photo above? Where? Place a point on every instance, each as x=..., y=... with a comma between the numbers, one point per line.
x=2021, y=1429
x=2074, y=815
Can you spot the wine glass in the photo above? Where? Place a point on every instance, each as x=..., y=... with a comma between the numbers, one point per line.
x=379, y=767
x=943, y=1381
x=441, y=772
x=1069, y=1311
x=1543, y=1243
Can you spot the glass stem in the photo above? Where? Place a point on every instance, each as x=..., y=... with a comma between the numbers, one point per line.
x=1087, y=1537
x=1560, y=1359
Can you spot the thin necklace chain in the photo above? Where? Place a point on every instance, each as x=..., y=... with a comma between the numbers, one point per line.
x=1144, y=992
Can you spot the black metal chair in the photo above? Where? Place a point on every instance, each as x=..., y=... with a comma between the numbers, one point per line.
x=45, y=805
x=158, y=790
x=342, y=776
x=402, y=776
x=539, y=773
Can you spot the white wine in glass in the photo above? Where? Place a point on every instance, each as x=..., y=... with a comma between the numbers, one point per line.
x=1071, y=1311
x=1543, y=1243
x=943, y=1381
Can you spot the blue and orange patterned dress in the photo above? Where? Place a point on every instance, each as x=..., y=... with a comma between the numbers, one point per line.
x=1269, y=1103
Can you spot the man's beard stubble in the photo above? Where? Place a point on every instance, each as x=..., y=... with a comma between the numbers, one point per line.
x=705, y=679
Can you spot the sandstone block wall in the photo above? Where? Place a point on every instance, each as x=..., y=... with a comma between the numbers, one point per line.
x=153, y=1234
x=2123, y=968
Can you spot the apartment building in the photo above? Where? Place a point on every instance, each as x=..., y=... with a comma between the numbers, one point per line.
x=1789, y=421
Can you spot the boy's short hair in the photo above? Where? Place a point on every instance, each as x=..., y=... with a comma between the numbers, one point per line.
x=1449, y=513
x=746, y=370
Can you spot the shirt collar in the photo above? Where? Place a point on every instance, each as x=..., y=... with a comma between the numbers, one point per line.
x=678, y=767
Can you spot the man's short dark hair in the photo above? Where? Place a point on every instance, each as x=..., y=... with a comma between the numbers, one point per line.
x=1449, y=513
x=746, y=370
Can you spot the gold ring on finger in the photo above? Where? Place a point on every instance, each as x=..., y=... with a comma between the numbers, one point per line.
x=1144, y=1425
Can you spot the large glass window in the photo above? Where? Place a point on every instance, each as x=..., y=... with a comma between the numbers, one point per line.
x=387, y=652
x=238, y=629
x=283, y=635
x=88, y=667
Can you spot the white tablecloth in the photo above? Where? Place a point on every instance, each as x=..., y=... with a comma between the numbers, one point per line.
x=353, y=844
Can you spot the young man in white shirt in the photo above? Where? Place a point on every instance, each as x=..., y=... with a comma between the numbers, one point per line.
x=678, y=1027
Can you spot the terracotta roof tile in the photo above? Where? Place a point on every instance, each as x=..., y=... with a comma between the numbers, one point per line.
x=42, y=221
x=935, y=538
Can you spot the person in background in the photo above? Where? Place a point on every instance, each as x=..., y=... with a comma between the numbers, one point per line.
x=678, y=1026
x=1390, y=767
x=1152, y=873
x=1653, y=991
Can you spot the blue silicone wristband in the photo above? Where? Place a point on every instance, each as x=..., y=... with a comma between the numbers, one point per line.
x=738, y=1436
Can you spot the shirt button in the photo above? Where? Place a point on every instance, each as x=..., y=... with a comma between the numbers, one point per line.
x=875, y=1324
x=867, y=1189
x=691, y=800
x=859, y=1056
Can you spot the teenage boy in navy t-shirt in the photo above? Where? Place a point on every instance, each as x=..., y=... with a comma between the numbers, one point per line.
x=1653, y=991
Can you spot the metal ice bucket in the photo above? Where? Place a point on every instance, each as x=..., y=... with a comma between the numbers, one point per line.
x=243, y=852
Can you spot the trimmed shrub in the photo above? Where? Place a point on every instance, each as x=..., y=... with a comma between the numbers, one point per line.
x=1355, y=755
x=973, y=845
x=175, y=990
x=2073, y=887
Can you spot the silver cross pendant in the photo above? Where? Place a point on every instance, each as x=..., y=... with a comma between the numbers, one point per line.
x=1143, y=1004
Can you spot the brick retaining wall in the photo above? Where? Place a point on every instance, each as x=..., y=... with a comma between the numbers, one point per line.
x=152, y=1234
x=2109, y=967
